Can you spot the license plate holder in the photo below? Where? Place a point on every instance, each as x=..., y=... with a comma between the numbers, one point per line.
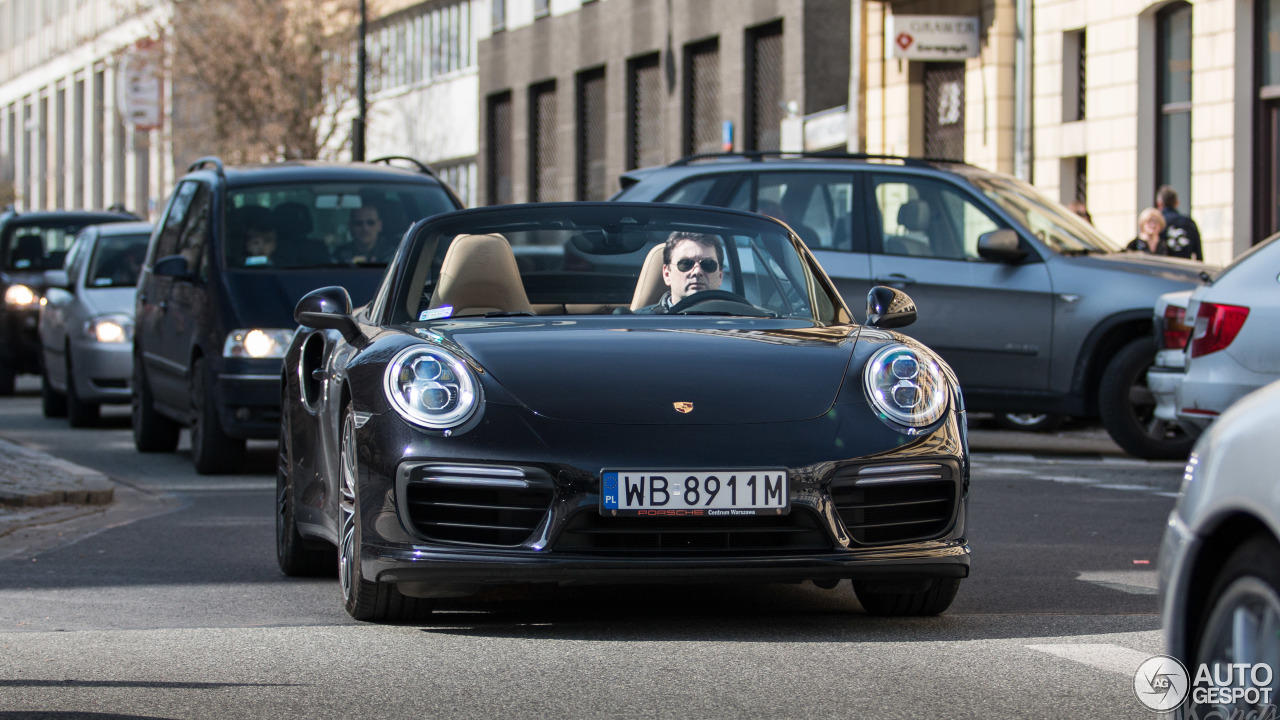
x=695, y=493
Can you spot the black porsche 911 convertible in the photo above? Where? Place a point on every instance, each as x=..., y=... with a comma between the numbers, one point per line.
x=616, y=393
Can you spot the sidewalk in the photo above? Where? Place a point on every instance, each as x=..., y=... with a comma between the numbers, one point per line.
x=39, y=489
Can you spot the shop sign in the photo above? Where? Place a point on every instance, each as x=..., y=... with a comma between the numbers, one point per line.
x=933, y=37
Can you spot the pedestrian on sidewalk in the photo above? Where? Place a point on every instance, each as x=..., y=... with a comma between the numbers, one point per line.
x=1181, y=235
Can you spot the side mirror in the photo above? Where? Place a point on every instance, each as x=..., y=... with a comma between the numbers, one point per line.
x=173, y=266
x=328, y=308
x=889, y=308
x=56, y=296
x=1001, y=245
x=57, y=279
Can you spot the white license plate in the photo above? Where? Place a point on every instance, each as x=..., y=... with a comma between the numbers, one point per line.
x=677, y=493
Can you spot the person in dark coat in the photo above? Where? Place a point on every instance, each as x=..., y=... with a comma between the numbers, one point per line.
x=1181, y=235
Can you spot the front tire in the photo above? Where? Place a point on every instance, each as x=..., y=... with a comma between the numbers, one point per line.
x=366, y=600
x=152, y=432
x=53, y=404
x=887, y=598
x=1030, y=422
x=296, y=555
x=213, y=451
x=1241, y=623
x=8, y=379
x=1127, y=407
x=80, y=414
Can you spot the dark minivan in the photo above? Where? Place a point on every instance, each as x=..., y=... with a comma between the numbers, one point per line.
x=234, y=251
x=30, y=243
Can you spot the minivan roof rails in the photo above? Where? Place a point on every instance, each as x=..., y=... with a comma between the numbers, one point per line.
x=422, y=167
x=215, y=161
x=760, y=155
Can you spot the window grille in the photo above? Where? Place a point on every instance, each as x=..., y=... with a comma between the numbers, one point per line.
x=702, y=98
x=944, y=110
x=765, y=104
x=499, y=189
x=646, y=113
x=544, y=179
x=592, y=182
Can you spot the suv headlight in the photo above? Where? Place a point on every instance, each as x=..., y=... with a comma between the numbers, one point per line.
x=431, y=387
x=20, y=296
x=906, y=387
x=110, y=329
x=257, y=343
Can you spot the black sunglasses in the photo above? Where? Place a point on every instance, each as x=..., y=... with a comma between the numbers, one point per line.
x=709, y=265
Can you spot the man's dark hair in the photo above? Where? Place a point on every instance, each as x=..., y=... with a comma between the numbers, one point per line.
x=1167, y=197
x=702, y=239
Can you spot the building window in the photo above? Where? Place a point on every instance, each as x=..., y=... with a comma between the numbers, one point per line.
x=543, y=151
x=944, y=110
x=418, y=45
x=461, y=176
x=764, y=98
x=703, y=133
x=1267, y=43
x=499, y=17
x=645, y=112
x=541, y=8
x=1173, y=98
x=592, y=182
x=499, y=187
x=1073, y=75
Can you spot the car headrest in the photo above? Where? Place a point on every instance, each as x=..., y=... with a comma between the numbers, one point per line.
x=479, y=275
x=650, y=286
x=293, y=219
x=914, y=215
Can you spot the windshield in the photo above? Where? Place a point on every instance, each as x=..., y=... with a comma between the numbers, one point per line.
x=324, y=224
x=1059, y=228
x=587, y=259
x=117, y=260
x=32, y=248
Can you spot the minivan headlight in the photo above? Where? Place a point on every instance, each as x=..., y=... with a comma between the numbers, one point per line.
x=431, y=387
x=257, y=343
x=906, y=387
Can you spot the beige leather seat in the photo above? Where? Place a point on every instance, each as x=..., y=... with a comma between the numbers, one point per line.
x=479, y=275
x=650, y=286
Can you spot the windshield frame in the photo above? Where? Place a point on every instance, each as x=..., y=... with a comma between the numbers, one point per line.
x=817, y=290
x=1019, y=199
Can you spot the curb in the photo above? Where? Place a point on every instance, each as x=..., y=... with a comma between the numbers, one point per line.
x=33, y=479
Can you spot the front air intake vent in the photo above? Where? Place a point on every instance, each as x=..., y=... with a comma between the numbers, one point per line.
x=797, y=532
x=882, y=504
x=476, y=504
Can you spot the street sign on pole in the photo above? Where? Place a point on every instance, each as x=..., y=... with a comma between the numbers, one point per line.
x=139, y=87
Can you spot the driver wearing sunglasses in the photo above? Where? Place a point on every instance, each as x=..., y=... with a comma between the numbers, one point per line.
x=691, y=263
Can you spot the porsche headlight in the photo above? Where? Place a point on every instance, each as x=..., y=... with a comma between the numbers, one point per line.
x=20, y=296
x=431, y=387
x=110, y=329
x=905, y=387
x=257, y=343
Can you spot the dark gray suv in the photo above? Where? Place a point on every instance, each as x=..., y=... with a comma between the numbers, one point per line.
x=1037, y=311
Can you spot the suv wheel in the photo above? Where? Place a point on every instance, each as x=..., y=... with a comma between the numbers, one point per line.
x=152, y=432
x=1127, y=407
x=213, y=451
x=53, y=404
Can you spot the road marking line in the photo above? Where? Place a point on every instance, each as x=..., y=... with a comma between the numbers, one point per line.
x=1067, y=479
x=1103, y=656
x=1134, y=582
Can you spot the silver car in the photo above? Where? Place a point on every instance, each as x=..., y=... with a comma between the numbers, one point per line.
x=86, y=322
x=1220, y=563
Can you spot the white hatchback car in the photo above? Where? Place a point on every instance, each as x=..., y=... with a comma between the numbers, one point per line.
x=1220, y=558
x=1234, y=347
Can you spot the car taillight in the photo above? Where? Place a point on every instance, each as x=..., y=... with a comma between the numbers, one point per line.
x=1216, y=327
x=1176, y=329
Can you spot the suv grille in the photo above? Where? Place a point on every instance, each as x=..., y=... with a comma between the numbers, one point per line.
x=477, y=504
x=896, y=503
x=588, y=531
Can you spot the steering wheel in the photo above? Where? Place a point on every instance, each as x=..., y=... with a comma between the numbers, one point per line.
x=707, y=296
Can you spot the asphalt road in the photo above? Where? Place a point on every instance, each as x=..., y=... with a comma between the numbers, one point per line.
x=171, y=606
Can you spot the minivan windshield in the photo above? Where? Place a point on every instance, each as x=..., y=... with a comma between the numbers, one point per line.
x=607, y=258
x=1059, y=228
x=324, y=224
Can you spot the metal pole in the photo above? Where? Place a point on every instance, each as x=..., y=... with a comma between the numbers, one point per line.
x=357, y=135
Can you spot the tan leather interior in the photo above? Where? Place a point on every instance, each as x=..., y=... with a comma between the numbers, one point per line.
x=650, y=286
x=479, y=275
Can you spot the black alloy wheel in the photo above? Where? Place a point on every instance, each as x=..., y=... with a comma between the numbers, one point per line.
x=53, y=404
x=296, y=555
x=892, y=598
x=80, y=414
x=366, y=600
x=212, y=450
x=1127, y=407
x=8, y=378
x=152, y=432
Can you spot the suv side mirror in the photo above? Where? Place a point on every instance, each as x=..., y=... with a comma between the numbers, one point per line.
x=1001, y=246
x=889, y=308
x=173, y=266
x=57, y=279
x=328, y=308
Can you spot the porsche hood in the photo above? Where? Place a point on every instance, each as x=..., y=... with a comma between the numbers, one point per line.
x=721, y=373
